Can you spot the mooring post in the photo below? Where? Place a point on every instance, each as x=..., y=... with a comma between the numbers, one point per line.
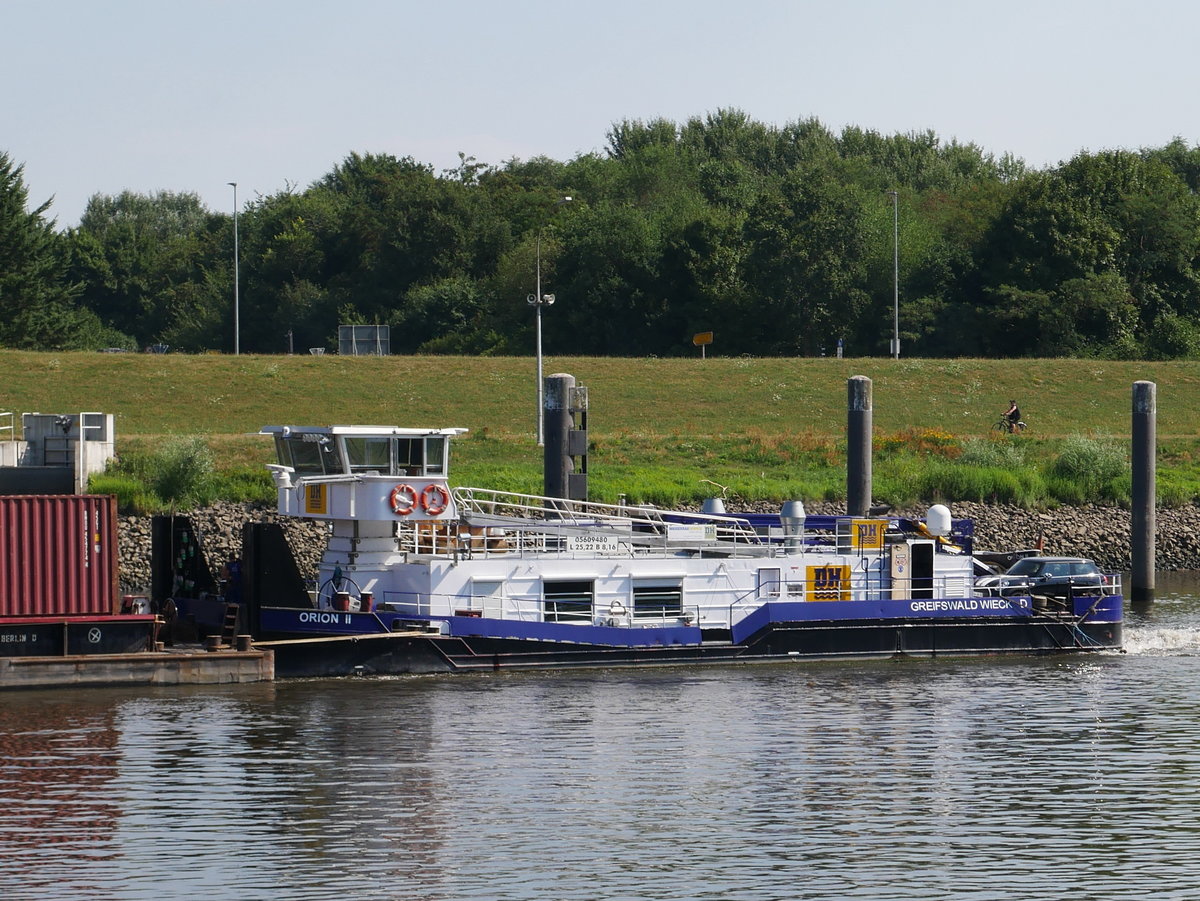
x=565, y=440
x=858, y=444
x=1144, y=491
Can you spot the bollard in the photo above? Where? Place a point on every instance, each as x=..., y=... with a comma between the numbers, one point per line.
x=1142, y=519
x=565, y=438
x=858, y=445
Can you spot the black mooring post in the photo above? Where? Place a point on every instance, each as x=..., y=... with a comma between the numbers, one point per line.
x=858, y=444
x=556, y=413
x=1144, y=492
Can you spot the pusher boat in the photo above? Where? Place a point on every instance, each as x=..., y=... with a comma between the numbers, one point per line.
x=422, y=576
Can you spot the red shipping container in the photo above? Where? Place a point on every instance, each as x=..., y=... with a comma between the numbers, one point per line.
x=58, y=555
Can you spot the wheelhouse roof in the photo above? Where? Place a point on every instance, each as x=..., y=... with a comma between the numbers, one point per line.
x=284, y=431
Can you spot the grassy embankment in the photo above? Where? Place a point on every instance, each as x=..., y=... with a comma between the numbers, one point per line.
x=768, y=429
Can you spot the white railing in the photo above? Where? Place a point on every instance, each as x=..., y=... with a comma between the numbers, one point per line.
x=560, y=517
x=9, y=454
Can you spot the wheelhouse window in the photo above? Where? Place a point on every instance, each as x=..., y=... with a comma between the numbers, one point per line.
x=368, y=454
x=568, y=602
x=410, y=456
x=435, y=455
x=657, y=600
x=309, y=454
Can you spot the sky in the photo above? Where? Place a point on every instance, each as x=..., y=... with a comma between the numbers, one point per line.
x=189, y=95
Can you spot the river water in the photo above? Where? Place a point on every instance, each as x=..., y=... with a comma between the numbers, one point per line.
x=1027, y=778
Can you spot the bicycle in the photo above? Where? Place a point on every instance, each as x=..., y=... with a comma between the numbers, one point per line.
x=1004, y=424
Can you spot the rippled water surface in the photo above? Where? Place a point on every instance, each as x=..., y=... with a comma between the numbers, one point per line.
x=1032, y=778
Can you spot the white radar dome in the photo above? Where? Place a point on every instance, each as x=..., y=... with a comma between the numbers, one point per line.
x=937, y=520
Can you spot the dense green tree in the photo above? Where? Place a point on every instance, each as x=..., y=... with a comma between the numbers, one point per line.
x=1183, y=160
x=448, y=316
x=780, y=239
x=805, y=267
x=38, y=308
x=286, y=240
x=608, y=284
x=142, y=259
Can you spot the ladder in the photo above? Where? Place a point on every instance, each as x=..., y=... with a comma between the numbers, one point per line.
x=229, y=627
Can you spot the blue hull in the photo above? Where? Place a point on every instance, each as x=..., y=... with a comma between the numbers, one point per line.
x=384, y=643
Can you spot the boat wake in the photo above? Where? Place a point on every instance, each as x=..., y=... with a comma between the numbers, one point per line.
x=1162, y=641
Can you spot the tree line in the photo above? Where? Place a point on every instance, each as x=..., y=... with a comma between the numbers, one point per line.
x=779, y=240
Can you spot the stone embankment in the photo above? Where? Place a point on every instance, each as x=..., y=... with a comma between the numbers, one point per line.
x=219, y=529
x=1102, y=533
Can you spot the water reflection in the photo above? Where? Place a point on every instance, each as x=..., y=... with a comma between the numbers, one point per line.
x=1009, y=778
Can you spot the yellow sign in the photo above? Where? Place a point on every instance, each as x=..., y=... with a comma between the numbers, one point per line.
x=867, y=534
x=702, y=338
x=316, y=499
x=829, y=583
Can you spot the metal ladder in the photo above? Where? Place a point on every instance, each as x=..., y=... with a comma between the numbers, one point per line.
x=229, y=627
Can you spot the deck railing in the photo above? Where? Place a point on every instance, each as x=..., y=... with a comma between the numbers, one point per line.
x=486, y=507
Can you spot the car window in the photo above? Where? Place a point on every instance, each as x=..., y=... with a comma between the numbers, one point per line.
x=1084, y=568
x=1026, y=567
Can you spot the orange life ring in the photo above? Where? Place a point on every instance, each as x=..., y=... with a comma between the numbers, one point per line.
x=434, y=499
x=403, y=498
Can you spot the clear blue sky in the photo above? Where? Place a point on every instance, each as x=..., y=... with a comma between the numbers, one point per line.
x=186, y=95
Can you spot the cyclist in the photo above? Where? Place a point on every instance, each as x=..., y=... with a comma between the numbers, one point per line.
x=1013, y=415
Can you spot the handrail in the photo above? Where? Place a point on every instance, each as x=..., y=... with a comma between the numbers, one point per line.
x=510, y=509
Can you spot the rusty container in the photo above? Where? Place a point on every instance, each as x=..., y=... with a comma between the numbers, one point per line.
x=58, y=555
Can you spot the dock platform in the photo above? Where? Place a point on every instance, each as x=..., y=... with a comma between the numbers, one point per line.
x=174, y=666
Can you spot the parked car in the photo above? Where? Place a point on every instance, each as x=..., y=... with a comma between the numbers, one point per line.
x=1050, y=576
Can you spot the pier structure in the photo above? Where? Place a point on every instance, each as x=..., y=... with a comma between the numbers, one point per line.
x=1142, y=576
x=859, y=414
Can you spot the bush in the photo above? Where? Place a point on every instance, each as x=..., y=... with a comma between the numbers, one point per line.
x=1174, y=489
x=955, y=482
x=182, y=473
x=1087, y=468
x=986, y=452
x=245, y=485
x=132, y=494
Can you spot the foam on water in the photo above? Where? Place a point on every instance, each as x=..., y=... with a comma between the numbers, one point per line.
x=1162, y=640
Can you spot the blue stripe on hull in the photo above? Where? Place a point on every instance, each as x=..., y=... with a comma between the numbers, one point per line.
x=883, y=611
x=574, y=633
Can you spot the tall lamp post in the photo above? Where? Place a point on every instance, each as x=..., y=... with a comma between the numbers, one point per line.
x=538, y=300
x=895, y=195
x=237, y=317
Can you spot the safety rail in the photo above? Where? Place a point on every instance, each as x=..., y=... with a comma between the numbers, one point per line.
x=644, y=525
x=707, y=607
x=807, y=591
x=614, y=611
x=10, y=451
x=1079, y=586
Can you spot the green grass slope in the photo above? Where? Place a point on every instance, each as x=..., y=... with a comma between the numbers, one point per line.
x=766, y=428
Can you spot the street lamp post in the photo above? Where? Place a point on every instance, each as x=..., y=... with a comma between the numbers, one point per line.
x=237, y=317
x=895, y=195
x=539, y=300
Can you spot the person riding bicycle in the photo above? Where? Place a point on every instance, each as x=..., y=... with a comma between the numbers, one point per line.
x=1013, y=414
